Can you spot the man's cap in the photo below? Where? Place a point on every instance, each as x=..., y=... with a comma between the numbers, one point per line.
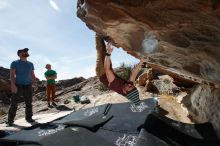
x=133, y=96
x=22, y=50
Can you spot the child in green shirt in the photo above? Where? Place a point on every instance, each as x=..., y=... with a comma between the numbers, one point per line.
x=50, y=75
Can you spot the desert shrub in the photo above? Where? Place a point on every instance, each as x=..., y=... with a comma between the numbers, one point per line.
x=102, y=87
x=126, y=70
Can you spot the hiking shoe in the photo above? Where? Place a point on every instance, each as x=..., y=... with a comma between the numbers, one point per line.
x=30, y=120
x=10, y=123
x=54, y=104
x=50, y=106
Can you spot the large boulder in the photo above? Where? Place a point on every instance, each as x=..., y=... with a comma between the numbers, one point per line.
x=203, y=105
x=145, y=77
x=183, y=36
x=164, y=85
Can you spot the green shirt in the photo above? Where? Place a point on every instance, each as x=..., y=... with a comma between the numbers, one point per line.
x=50, y=73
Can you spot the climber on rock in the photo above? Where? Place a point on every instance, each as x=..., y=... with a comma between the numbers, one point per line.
x=107, y=76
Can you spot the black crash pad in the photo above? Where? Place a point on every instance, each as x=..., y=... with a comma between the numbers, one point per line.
x=128, y=117
x=92, y=123
x=181, y=134
x=29, y=145
x=74, y=136
x=119, y=138
x=34, y=133
x=147, y=139
x=82, y=114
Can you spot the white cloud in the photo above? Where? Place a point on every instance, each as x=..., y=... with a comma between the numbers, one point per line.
x=54, y=5
x=4, y=4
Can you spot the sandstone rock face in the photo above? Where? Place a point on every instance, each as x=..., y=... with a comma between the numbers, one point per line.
x=203, y=105
x=70, y=82
x=4, y=85
x=182, y=35
x=4, y=73
x=145, y=77
x=182, y=39
x=4, y=79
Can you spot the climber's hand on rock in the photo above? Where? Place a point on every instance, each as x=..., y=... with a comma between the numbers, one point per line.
x=109, y=48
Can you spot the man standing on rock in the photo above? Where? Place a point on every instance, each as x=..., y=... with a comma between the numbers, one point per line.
x=106, y=75
x=50, y=75
x=22, y=78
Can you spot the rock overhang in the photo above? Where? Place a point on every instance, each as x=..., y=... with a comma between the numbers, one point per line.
x=180, y=37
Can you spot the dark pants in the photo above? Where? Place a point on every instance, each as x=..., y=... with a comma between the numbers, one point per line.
x=26, y=92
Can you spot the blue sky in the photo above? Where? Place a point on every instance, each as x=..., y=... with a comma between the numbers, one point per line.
x=54, y=34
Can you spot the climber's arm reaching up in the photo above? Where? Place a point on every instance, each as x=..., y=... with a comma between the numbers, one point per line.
x=107, y=64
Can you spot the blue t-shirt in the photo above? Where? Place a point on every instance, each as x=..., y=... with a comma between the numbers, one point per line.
x=23, y=71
